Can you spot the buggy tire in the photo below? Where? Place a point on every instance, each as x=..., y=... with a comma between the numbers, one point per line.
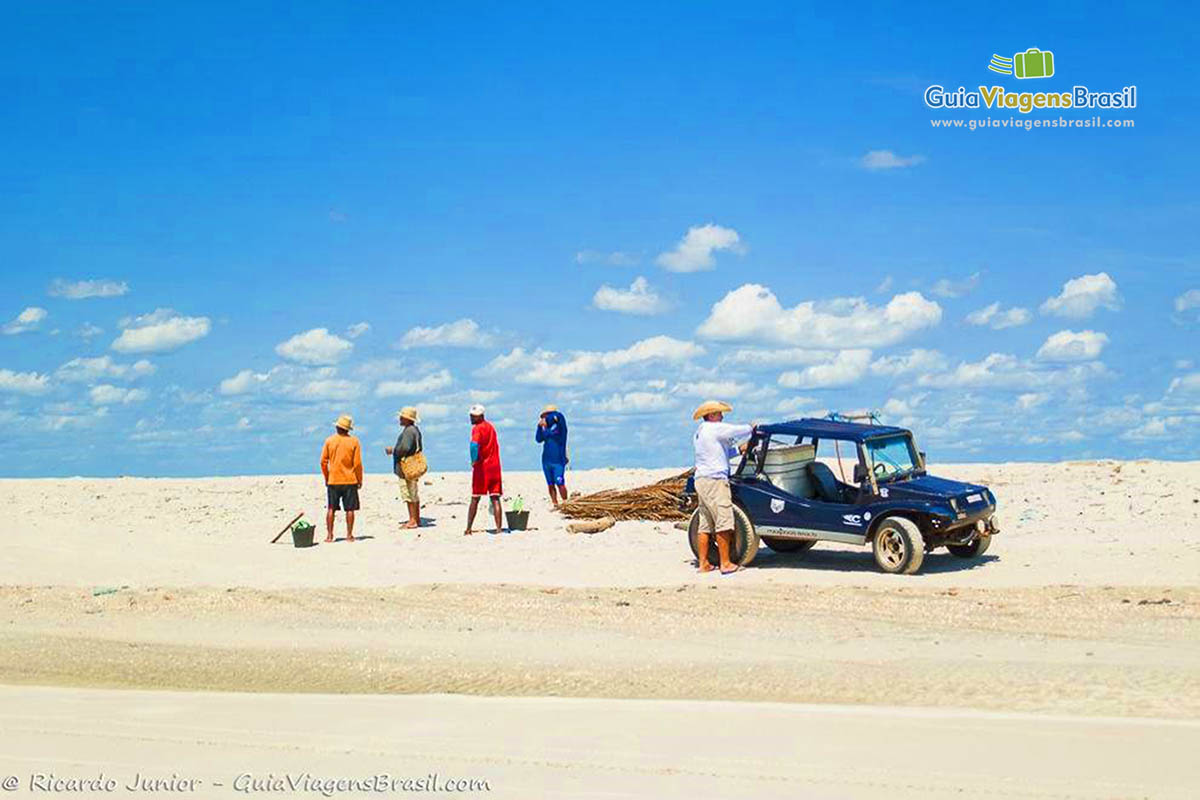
x=745, y=538
x=788, y=545
x=973, y=550
x=898, y=546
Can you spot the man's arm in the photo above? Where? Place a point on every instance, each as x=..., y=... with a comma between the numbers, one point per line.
x=325, y=462
x=358, y=469
x=539, y=435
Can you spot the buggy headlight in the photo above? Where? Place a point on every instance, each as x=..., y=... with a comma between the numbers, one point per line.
x=954, y=504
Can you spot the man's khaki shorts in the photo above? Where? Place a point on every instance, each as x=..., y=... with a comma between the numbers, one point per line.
x=716, y=505
x=408, y=491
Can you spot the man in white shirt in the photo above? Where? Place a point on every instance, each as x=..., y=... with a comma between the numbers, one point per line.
x=714, y=448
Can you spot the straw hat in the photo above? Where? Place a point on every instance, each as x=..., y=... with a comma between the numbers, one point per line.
x=345, y=421
x=548, y=409
x=409, y=413
x=711, y=407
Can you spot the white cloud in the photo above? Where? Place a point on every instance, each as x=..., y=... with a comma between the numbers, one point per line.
x=1188, y=301
x=23, y=382
x=1185, y=384
x=1072, y=346
x=1080, y=297
x=107, y=395
x=546, y=368
x=918, y=360
x=996, y=318
x=794, y=407
x=886, y=159
x=84, y=370
x=243, y=424
x=88, y=331
x=885, y=285
x=26, y=321
x=951, y=289
x=80, y=290
x=846, y=368
x=724, y=389
x=460, y=333
x=695, y=250
x=634, y=403
x=294, y=383
x=616, y=258
x=357, y=329
x=1005, y=371
x=429, y=383
x=1031, y=400
x=243, y=382
x=159, y=331
x=776, y=358
x=639, y=298
x=753, y=312
x=316, y=347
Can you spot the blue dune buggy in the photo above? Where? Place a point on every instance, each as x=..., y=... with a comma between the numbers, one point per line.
x=787, y=498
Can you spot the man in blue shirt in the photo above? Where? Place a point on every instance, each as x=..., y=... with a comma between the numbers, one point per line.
x=552, y=433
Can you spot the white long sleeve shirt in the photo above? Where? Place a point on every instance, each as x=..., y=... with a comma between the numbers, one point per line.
x=714, y=447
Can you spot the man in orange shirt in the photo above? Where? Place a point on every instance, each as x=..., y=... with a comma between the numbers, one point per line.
x=341, y=464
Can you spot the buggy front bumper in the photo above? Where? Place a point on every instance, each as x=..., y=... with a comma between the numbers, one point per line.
x=965, y=526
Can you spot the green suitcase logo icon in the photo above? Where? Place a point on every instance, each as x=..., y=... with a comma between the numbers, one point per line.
x=1033, y=63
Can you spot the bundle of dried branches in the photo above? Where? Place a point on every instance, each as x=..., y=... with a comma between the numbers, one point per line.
x=658, y=501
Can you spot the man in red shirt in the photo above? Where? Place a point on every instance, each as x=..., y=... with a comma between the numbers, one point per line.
x=485, y=467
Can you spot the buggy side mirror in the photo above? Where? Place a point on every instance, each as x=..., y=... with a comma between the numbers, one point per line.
x=921, y=455
x=860, y=473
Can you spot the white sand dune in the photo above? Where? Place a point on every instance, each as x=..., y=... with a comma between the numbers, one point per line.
x=1066, y=663
x=569, y=748
x=1091, y=523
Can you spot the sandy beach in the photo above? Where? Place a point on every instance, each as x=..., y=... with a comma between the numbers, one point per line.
x=1087, y=608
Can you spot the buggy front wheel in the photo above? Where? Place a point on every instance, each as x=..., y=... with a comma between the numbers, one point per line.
x=899, y=546
x=745, y=538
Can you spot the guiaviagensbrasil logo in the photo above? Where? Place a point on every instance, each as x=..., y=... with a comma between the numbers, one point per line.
x=1024, y=65
x=1033, y=63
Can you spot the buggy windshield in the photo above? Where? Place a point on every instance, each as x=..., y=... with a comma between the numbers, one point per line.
x=889, y=456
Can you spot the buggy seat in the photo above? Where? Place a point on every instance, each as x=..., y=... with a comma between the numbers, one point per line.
x=786, y=468
x=826, y=487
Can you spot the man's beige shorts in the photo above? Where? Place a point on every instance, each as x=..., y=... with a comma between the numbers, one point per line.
x=408, y=491
x=716, y=505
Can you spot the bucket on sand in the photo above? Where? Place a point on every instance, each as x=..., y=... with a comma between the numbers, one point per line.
x=517, y=520
x=302, y=535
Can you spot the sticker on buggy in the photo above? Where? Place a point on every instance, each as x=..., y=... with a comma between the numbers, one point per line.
x=852, y=519
x=974, y=498
x=883, y=492
x=776, y=505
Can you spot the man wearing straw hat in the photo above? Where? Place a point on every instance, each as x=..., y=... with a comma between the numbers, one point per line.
x=714, y=447
x=552, y=433
x=341, y=464
x=408, y=444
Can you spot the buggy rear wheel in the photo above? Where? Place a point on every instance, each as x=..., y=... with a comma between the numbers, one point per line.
x=975, y=549
x=788, y=545
x=899, y=546
x=745, y=538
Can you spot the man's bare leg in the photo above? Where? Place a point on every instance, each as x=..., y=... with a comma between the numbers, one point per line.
x=414, y=516
x=553, y=496
x=349, y=526
x=496, y=511
x=562, y=489
x=329, y=525
x=702, y=542
x=724, y=546
x=471, y=509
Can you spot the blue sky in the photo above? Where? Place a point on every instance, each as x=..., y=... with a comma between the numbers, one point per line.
x=623, y=209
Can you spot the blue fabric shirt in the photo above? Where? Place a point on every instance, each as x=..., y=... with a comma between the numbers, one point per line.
x=553, y=437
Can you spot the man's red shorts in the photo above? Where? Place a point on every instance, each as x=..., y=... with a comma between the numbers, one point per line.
x=485, y=480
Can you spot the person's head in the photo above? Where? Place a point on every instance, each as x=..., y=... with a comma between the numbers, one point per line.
x=549, y=411
x=408, y=416
x=344, y=424
x=476, y=414
x=712, y=411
